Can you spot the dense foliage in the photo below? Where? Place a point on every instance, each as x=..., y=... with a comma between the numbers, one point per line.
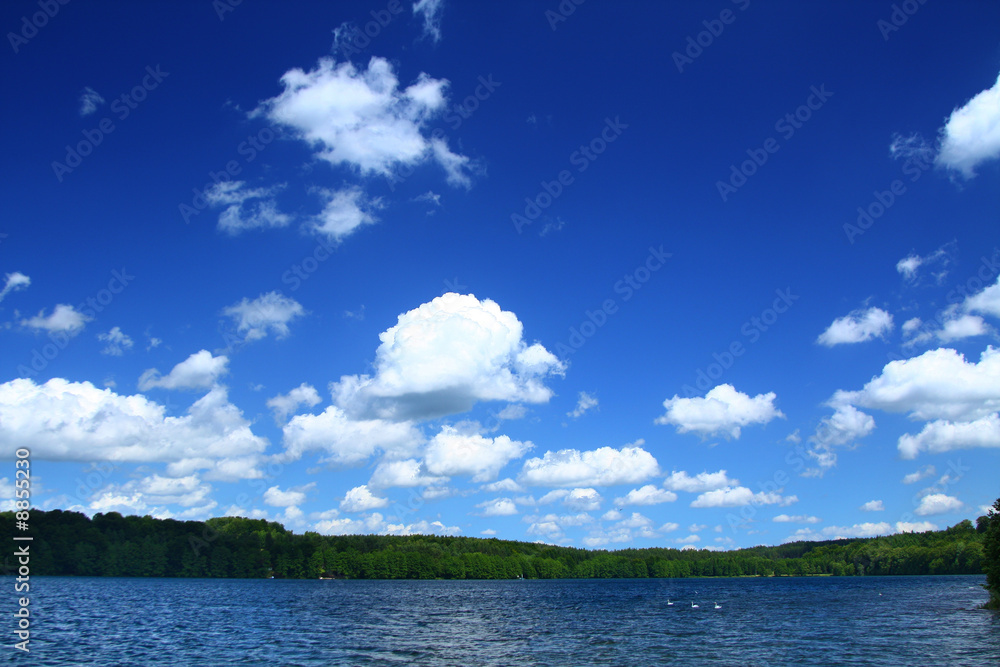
x=989, y=525
x=69, y=543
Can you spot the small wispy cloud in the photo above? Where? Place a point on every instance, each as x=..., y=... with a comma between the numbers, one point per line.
x=90, y=99
x=431, y=11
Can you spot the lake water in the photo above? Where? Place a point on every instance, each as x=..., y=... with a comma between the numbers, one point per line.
x=787, y=621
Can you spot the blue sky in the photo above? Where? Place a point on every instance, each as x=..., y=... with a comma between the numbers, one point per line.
x=641, y=274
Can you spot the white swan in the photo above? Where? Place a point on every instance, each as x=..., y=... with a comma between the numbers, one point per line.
x=669, y=603
x=693, y=605
x=718, y=606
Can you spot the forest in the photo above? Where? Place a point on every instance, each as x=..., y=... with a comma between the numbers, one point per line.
x=70, y=543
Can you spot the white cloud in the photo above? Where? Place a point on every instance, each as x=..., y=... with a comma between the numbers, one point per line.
x=373, y=523
x=972, y=134
x=549, y=530
x=636, y=520
x=798, y=518
x=846, y=425
x=268, y=312
x=456, y=167
x=938, y=384
x=422, y=527
x=151, y=494
x=722, y=411
x=360, y=499
x=331, y=524
x=443, y=357
x=584, y=403
x=740, y=496
x=915, y=527
x=857, y=327
x=360, y=117
x=696, y=527
x=703, y=481
x=90, y=99
x=430, y=197
x=498, y=507
x=488, y=532
x=75, y=421
x=246, y=208
x=668, y=527
x=908, y=266
x=436, y=492
x=452, y=452
x=583, y=500
x=347, y=441
x=944, y=436
x=964, y=326
x=580, y=500
x=986, y=301
x=199, y=371
x=938, y=503
x=513, y=411
x=911, y=325
x=344, y=211
x=912, y=146
x=873, y=506
x=918, y=475
x=431, y=11
x=64, y=319
x=405, y=473
x=503, y=485
x=286, y=404
x=14, y=282
x=605, y=466
x=117, y=342
x=867, y=529
x=275, y=497
x=646, y=495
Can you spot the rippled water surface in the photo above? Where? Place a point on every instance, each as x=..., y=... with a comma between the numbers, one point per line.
x=800, y=621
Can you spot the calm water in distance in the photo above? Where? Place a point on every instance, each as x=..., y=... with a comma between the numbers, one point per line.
x=784, y=621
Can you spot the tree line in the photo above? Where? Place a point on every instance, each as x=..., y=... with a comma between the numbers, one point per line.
x=70, y=543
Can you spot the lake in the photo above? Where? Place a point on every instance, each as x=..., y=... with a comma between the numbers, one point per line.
x=784, y=621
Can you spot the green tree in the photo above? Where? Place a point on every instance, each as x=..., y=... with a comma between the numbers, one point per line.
x=991, y=556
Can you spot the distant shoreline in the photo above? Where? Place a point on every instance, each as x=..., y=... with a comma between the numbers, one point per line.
x=72, y=544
